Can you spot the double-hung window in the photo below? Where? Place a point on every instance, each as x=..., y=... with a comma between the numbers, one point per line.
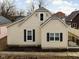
x=57, y=37
x=29, y=35
x=51, y=36
x=54, y=36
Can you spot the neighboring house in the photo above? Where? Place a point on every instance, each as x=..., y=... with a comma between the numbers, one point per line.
x=3, y=31
x=61, y=15
x=4, y=20
x=44, y=29
x=73, y=19
x=19, y=17
x=3, y=26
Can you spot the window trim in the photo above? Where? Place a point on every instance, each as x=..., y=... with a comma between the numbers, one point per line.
x=56, y=36
x=51, y=36
x=31, y=35
x=59, y=40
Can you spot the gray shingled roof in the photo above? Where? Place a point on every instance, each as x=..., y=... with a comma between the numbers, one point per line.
x=4, y=20
x=42, y=9
x=72, y=15
x=19, y=17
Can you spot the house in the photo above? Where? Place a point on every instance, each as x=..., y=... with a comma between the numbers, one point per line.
x=60, y=15
x=72, y=19
x=42, y=28
x=3, y=31
x=3, y=26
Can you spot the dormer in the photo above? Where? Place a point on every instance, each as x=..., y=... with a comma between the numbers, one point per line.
x=43, y=14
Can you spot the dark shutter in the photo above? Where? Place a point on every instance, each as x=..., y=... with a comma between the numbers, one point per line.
x=24, y=34
x=47, y=36
x=61, y=36
x=33, y=35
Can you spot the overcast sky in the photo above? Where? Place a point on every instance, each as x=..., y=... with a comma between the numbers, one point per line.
x=66, y=6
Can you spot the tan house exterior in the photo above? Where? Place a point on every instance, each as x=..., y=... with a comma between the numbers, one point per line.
x=40, y=28
x=29, y=23
x=55, y=25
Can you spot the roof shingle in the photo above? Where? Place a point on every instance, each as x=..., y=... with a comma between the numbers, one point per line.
x=4, y=20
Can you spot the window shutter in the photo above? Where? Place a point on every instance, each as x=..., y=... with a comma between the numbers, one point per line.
x=33, y=35
x=61, y=36
x=24, y=34
x=47, y=36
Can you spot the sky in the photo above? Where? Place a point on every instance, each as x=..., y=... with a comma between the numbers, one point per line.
x=65, y=6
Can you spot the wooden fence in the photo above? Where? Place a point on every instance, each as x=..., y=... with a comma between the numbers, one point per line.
x=3, y=43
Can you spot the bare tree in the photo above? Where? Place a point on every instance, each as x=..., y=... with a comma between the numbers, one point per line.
x=8, y=10
x=20, y=12
x=31, y=9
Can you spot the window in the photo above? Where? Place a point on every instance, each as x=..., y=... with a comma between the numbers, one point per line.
x=54, y=36
x=51, y=36
x=29, y=35
x=41, y=17
x=57, y=36
x=74, y=25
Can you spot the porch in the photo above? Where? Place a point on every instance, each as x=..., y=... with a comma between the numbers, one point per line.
x=73, y=38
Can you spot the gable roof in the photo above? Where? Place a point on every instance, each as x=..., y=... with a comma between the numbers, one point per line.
x=19, y=17
x=54, y=17
x=72, y=15
x=41, y=9
x=21, y=20
x=4, y=20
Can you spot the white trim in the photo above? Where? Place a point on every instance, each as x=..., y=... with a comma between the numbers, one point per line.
x=54, y=38
x=31, y=35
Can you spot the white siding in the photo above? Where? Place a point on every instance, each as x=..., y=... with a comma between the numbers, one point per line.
x=54, y=26
x=16, y=32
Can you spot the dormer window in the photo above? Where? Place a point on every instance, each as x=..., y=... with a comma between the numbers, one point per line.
x=41, y=17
